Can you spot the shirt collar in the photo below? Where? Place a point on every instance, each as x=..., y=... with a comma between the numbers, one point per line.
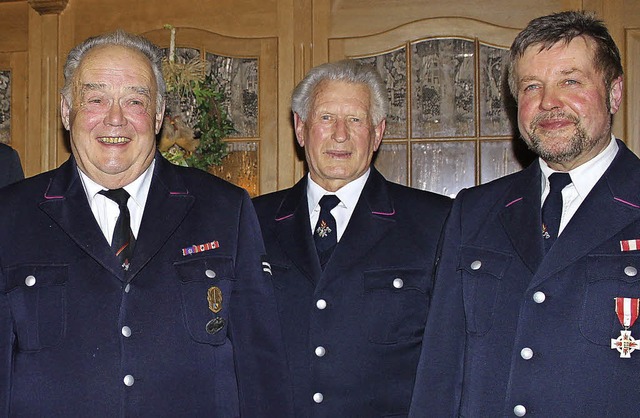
x=349, y=194
x=138, y=189
x=586, y=175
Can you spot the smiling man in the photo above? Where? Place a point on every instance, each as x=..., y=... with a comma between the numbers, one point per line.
x=130, y=286
x=537, y=291
x=352, y=254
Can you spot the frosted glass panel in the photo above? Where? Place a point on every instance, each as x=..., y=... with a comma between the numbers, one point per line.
x=498, y=160
x=5, y=107
x=493, y=118
x=391, y=161
x=240, y=167
x=442, y=94
x=443, y=167
x=238, y=79
x=392, y=66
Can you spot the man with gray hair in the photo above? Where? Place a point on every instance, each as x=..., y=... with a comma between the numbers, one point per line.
x=130, y=286
x=352, y=254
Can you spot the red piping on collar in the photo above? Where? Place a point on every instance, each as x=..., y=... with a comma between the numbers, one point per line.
x=626, y=203
x=284, y=217
x=512, y=202
x=46, y=193
x=385, y=213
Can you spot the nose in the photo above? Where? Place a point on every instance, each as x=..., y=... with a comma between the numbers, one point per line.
x=115, y=115
x=340, y=133
x=550, y=99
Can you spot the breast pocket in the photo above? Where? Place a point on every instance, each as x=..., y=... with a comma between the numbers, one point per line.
x=396, y=304
x=38, y=303
x=607, y=277
x=206, y=286
x=482, y=271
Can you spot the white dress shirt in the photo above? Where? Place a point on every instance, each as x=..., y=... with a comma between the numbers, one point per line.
x=349, y=194
x=106, y=211
x=583, y=178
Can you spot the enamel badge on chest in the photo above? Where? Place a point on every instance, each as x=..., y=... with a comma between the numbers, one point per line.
x=627, y=311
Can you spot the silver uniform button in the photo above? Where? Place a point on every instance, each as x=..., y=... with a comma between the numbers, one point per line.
x=321, y=304
x=126, y=331
x=630, y=271
x=320, y=351
x=476, y=265
x=539, y=297
x=520, y=410
x=30, y=280
x=398, y=283
x=318, y=398
x=526, y=353
x=210, y=273
x=128, y=380
x=127, y=288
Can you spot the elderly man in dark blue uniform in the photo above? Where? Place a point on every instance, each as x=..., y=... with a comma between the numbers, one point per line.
x=152, y=304
x=10, y=167
x=537, y=290
x=352, y=254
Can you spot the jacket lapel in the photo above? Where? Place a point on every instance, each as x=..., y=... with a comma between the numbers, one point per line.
x=65, y=202
x=612, y=204
x=294, y=231
x=520, y=217
x=167, y=206
x=370, y=222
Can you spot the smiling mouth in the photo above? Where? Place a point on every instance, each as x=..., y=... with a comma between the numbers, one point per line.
x=113, y=140
x=338, y=154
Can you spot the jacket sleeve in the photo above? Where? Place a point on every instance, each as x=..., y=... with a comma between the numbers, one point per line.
x=15, y=168
x=438, y=385
x=6, y=349
x=263, y=380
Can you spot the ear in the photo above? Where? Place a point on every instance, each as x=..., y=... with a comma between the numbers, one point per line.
x=298, y=124
x=65, y=110
x=379, y=133
x=159, y=118
x=615, y=94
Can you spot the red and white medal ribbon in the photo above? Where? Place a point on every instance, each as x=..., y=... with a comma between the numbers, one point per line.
x=627, y=311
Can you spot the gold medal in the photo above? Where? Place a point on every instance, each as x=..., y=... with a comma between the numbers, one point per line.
x=214, y=296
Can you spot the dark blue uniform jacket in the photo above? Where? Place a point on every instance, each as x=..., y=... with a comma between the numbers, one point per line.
x=353, y=332
x=511, y=330
x=65, y=302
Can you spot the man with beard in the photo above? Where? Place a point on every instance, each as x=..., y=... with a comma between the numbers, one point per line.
x=537, y=289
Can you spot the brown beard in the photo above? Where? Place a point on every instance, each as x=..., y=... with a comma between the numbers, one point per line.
x=578, y=143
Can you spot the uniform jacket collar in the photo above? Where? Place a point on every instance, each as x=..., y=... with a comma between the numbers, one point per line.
x=371, y=218
x=65, y=202
x=612, y=204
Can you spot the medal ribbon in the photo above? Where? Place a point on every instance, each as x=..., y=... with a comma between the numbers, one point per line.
x=627, y=310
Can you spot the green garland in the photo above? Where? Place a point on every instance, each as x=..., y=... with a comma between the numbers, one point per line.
x=213, y=125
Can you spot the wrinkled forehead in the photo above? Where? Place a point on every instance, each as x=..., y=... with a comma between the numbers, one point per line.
x=338, y=91
x=115, y=63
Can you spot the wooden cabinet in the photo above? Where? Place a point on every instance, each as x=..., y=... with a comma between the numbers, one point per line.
x=442, y=60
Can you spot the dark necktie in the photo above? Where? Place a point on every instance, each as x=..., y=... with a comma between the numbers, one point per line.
x=325, y=232
x=123, y=240
x=552, y=208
